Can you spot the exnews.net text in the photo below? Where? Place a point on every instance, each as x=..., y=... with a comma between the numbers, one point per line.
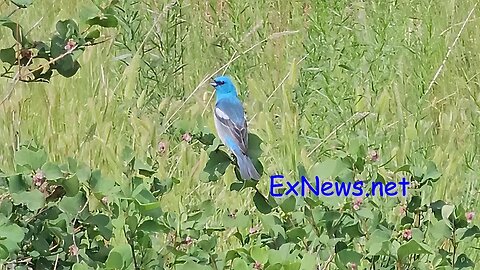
x=327, y=188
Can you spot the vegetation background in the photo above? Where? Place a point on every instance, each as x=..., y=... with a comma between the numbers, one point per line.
x=316, y=77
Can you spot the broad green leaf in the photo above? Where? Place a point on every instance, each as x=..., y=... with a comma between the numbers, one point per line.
x=8, y=56
x=328, y=169
x=447, y=210
x=119, y=257
x=106, y=20
x=17, y=184
x=34, y=199
x=463, y=262
x=308, y=262
x=67, y=29
x=71, y=186
x=83, y=172
x=288, y=205
x=52, y=171
x=80, y=266
x=440, y=230
x=239, y=264
x=72, y=205
x=100, y=184
x=412, y=247
x=261, y=203
x=216, y=165
x=34, y=159
x=259, y=254
x=432, y=172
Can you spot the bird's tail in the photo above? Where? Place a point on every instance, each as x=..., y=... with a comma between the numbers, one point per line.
x=245, y=165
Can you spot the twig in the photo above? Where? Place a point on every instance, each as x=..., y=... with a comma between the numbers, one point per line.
x=56, y=262
x=327, y=263
x=17, y=78
x=73, y=225
x=440, y=68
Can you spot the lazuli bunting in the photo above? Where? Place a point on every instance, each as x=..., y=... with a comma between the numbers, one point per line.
x=231, y=125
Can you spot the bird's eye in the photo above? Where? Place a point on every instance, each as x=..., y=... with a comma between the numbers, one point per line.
x=220, y=82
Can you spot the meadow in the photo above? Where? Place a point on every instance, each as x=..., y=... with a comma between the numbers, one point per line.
x=340, y=89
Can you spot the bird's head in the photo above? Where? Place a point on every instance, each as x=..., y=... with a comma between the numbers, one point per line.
x=223, y=86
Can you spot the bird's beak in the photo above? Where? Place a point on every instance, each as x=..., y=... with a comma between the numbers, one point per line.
x=213, y=83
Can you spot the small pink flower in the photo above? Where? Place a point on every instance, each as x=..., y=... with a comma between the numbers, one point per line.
x=257, y=265
x=161, y=147
x=70, y=45
x=105, y=200
x=39, y=178
x=402, y=210
x=352, y=266
x=188, y=241
x=357, y=202
x=73, y=250
x=373, y=155
x=470, y=216
x=254, y=229
x=186, y=137
x=407, y=234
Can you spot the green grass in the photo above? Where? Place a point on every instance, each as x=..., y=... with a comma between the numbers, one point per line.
x=338, y=58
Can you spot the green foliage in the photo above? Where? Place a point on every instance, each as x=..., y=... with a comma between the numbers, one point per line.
x=39, y=59
x=90, y=220
x=185, y=206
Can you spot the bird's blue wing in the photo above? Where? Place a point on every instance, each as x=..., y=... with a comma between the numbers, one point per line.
x=231, y=116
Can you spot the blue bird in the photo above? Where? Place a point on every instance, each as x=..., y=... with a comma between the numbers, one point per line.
x=231, y=125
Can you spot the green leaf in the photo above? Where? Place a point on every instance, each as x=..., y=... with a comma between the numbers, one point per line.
x=259, y=254
x=152, y=226
x=216, y=165
x=403, y=168
x=4, y=253
x=329, y=168
x=100, y=184
x=440, y=230
x=67, y=29
x=52, y=171
x=288, y=205
x=34, y=199
x=80, y=266
x=106, y=20
x=72, y=205
x=239, y=264
x=83, y=172
x=17, y=184
x=447, y=210
x=119, y=257
x=473, y=231
x=8, y=56
x=71, y=186
x=347, y=256
x=261, y=203
x=463, y=262
x=33, y=159
x=92, y=35
x=432, y=172
x=353, y=230
x=12, y=232
x=22, y=3
x=17, y=32
x=412, y=247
